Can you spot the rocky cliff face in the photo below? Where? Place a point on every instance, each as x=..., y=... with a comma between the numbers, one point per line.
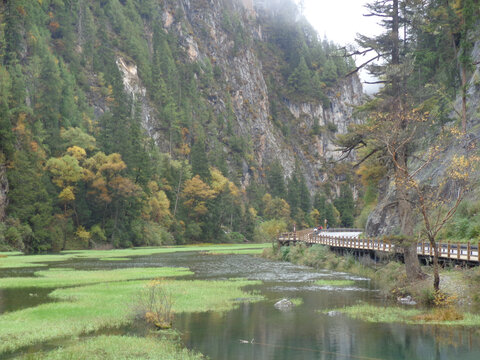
x=200, y=28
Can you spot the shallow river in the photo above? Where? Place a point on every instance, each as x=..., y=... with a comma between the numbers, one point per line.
x=260, y=331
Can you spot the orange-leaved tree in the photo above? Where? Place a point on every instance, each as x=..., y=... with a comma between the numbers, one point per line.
x=195, y=194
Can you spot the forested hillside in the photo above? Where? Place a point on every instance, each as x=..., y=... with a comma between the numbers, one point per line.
x=146, y=122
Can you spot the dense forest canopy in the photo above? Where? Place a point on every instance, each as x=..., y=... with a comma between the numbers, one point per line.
x=85, y=161
x=83, y=171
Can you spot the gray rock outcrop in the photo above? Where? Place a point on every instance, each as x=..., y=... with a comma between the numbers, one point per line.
x=202, y=35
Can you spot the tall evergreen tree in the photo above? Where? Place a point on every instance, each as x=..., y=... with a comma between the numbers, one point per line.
x=199, y=160
x=392, y=113
x=276, y=181
x=345, y=205
x=304, y=195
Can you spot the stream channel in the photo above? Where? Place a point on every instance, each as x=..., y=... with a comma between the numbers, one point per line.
x=304, y=332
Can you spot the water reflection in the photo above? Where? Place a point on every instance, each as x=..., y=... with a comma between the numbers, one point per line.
x=304, y=334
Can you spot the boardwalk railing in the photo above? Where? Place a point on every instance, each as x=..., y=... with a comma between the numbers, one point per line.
x=457, y=251
x=340, y=230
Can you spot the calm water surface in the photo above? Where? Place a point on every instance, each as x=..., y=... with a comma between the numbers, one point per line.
x=301, y=333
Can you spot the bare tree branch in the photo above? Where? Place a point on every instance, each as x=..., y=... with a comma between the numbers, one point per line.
x=377, y=82
x=358, y=68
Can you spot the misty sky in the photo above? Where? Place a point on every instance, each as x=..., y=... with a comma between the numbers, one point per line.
x=339, y=20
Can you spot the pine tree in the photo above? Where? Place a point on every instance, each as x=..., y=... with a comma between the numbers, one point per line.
x=48, y=106
x=345, y=205
x=392, y=114
x=199, y=160
x=304, y=194
x=293, y=195
x=301, y=80
x=275, y=179
x=6, y=135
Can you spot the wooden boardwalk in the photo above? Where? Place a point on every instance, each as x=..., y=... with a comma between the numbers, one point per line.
x=349, y=239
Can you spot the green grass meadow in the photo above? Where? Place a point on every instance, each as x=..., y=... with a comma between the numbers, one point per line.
x=18, y=260
x=89, y=301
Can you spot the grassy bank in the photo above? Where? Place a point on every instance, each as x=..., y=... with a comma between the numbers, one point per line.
x=89, y=301
x=17, y=260
x=392, y=314
x=55, y=278
x=118, y=348
x=85, y=309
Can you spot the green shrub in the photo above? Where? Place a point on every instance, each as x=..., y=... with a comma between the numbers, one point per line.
x=97, y=235
x=462, y=227
x=14, y=235
x=427, y=296
x=234, y=237
x=297, y=253
x=285, y=251
x=269, y=230
x=331, y=126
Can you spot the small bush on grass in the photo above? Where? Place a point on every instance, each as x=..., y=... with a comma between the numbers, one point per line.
x=156, y=305
x=445, y=309
x=427, y=296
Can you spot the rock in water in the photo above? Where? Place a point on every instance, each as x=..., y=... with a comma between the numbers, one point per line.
x=406, y=300
x=334, y=313
x=283, y=305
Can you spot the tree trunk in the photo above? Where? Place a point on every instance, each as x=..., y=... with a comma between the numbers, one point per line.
x=178, y=192
x=404, y=206
x=464, y=99
x=436, y=275
x=405, y=215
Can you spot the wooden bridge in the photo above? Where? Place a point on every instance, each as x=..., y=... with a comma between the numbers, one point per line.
x=350, y=239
